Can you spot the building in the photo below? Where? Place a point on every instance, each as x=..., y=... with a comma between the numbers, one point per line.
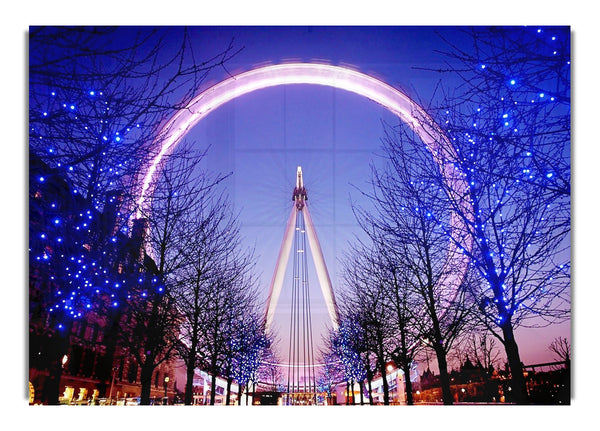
x=93, y=366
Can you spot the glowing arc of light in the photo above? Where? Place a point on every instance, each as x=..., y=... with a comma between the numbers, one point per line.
x=341, y=78
x=270, y=76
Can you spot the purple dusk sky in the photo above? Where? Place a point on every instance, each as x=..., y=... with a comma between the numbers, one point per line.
x=334, y=135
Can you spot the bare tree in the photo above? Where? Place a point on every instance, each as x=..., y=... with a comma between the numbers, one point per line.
x=231, y=299
x=561, y=347
x=97, y=98
x=174, y=216
x=188, y=225
x=195, y=239
x=405, y=225
x=482, y=348
x=405, y=345
x=150, y=330
x=385, y=275
x=348, y=345
x=366, y=307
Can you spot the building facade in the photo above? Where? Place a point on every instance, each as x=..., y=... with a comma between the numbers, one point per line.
x=96, y=365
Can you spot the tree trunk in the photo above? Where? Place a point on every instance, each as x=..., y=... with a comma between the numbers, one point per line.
x=51, y=389
x=370, y=385
x=519, y=387
x=111, y=338
x=189, y=382
x=361, y=384
x=409, y=395
x=146, y=382
x=228, y=397
x=213, y=388
x=386, y=388
x=60, y=347
x=444, y=377
x=240, y=392
x=347, y=393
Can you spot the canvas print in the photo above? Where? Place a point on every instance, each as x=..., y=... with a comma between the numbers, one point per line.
x=299, y=216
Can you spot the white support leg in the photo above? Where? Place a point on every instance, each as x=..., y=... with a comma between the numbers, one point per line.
x=321, y=268
x=281, y=266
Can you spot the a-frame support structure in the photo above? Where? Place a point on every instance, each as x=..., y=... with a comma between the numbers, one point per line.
x=299, y=198
x=301, y=376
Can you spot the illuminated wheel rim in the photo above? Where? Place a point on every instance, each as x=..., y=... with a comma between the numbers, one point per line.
x=412, y=114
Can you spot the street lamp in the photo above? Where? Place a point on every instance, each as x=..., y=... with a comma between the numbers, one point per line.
x=166, y=383
x=112, y=384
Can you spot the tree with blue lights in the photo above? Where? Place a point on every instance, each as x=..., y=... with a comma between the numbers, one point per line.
x=76, y=272
x=253, y=350
x=269, y=371
x=332, y=372
x=509, y=124
x=347, y=346
x=95, y=107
